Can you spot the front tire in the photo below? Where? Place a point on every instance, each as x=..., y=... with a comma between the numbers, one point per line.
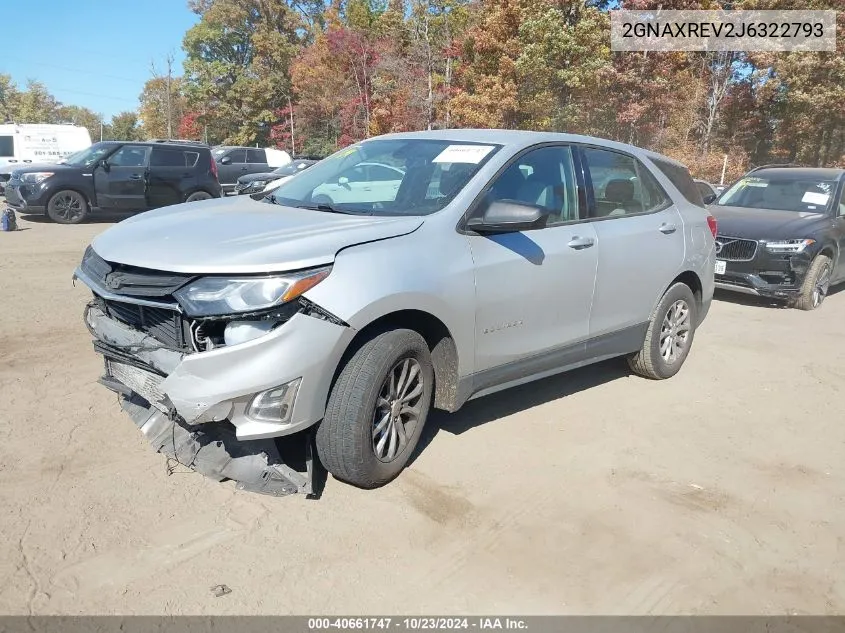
x=377, y=409
x=816, y=284
x=67, y=207
x=668, y=339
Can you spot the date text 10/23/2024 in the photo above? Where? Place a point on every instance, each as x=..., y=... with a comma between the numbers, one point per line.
x=417, y=623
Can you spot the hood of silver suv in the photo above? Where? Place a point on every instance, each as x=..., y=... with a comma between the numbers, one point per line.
x=240, y=235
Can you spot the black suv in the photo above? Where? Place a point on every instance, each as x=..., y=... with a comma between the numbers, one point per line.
x=781, y=234
x=234, y=162
x=116, y=175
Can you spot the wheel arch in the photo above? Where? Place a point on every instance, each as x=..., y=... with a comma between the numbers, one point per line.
x=691, y=279
x=89, y=199
x=194, y=190
x=444, y=352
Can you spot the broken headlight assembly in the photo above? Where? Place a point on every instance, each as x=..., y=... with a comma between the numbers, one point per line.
x=233, y=310
x=789, y=246
x=223, y=296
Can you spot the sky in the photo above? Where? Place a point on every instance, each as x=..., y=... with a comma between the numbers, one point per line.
x=95, y=53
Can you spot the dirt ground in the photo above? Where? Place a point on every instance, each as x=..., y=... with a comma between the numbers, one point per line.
x=719, y=491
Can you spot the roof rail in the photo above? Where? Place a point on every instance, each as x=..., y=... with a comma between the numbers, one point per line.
x=179, y=141
x=775, y=165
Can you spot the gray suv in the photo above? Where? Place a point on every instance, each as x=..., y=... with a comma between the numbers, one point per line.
x=339, y=310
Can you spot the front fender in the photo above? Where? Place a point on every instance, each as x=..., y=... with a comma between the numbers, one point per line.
x=372, y=280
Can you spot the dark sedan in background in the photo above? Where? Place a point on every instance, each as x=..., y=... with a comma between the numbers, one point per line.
x=782, y=234
x=258, y=184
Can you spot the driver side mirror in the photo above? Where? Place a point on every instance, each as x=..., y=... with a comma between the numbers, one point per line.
x=226, y=160
x=710, y=198
x=505, y=216
x=105, y=165
x=343, y=181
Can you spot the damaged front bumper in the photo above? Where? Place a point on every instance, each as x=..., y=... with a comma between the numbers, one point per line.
x=772, y=275
x=195, y=407
x=213, y=451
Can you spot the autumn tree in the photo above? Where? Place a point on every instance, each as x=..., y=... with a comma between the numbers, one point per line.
x=160, y=96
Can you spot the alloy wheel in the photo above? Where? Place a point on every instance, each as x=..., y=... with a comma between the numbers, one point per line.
x=821, y=286
x=397, y=409
x=675, y=331
x=68, y=206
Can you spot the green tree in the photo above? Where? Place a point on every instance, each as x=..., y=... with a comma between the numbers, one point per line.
x=77, y=115
x=36, y=104
x=124, y=127
x=237, y=66
x=9, y=99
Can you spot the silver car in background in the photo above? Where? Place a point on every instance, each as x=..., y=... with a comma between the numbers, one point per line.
x=500, y=257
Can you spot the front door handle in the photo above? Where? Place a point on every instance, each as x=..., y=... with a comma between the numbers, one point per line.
x=668, y=228
x=581, y=242
x=136, y=177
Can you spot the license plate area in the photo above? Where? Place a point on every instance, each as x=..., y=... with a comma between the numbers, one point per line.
x=145, y=383
x=721, y=266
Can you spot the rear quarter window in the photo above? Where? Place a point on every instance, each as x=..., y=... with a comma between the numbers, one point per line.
x=681, y=178
x=165, y=157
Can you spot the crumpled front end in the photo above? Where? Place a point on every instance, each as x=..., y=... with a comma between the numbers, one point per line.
x=214, y=400
x=135, y=366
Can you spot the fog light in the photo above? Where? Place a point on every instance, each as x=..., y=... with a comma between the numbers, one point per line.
x=243, y=331
x=274, y=405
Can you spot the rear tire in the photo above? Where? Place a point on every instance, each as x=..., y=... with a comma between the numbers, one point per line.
x=198, y=195
x=669, y=337
x=371, y=425
x=67, y=207
x=816, y=284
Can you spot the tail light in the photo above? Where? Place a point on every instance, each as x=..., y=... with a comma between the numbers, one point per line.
x=214, y=169
x=711, y=222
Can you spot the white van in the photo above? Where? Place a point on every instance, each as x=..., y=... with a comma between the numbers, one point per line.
x=26, y=144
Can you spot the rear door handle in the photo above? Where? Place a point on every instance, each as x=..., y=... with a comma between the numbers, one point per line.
x=668, y=228
x=136, y=177
x=581, y=242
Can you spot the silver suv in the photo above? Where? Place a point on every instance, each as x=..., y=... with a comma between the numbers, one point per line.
x=403, y=272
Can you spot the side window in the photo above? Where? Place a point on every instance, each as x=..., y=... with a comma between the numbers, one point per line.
x=544, y=178
x=621, y=184
x=130, y=156
x=162, y=157
x=255, y=156
x=7, y=146
x=380, y=173
x=237, y=156
x=680, y=177
x=191, y=158
x=356, y=174
x=704, y=189
x=841, y=211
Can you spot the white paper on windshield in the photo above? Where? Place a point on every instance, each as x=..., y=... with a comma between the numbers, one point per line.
x=467, y=154
x=812, y=197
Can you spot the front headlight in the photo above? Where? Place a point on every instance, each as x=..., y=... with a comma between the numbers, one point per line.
x=789, y=246
x=258, y=183
x=215, y=296
x=35, y=177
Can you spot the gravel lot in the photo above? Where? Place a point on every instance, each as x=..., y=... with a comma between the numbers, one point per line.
x=719, y=491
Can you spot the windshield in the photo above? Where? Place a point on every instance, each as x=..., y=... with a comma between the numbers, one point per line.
x=755, y=192
x=218, y=152
x=89, y=156
x=387, y=177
